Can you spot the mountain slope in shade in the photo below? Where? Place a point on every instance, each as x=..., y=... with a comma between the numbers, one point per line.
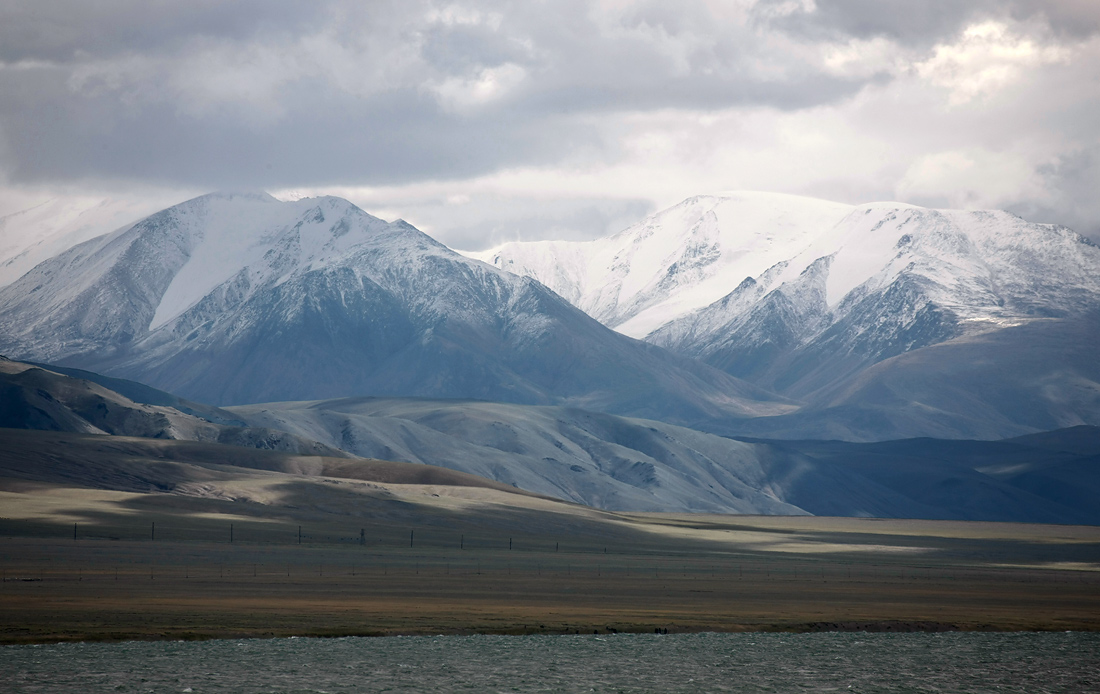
x=1054, y=475
x=32, y=397
x=242, y=298
x=130, y=463
x=1037, y=376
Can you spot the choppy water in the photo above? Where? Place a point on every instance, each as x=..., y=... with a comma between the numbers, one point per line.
x=1058, y=662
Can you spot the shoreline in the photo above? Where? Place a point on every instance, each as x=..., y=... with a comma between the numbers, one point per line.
x=887, y=627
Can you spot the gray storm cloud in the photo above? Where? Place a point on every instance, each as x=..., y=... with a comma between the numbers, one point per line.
x=242, y=94
x=263, y=94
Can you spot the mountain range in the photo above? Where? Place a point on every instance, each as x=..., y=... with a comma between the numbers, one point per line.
x=834, y=307
x=762, y=314
x=238, y=298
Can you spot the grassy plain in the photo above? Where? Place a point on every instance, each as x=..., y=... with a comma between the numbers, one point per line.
x=172, y=545
x=733, y=574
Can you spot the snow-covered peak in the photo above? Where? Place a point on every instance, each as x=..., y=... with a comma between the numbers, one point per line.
x=253, y=195
x=982, y=265
x=675, y=261
x=886, y=280
x=227, y=233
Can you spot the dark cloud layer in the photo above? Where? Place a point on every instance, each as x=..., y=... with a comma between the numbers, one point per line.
x=109, y=89
x=273, y=93
x=69, y=30
x=326, y=138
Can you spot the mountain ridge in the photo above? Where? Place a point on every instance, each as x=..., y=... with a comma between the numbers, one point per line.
x=242, y=298
x=836, y=302
x=628, y=464
x=37, y=397
x=591, y=458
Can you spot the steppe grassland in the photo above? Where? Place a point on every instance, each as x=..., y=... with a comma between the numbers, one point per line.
x=445, y=559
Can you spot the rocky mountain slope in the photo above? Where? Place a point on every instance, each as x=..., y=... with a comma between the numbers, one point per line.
x=595, y=459
x=236, y=298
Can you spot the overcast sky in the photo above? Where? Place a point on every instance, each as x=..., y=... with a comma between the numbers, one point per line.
x=481, y=122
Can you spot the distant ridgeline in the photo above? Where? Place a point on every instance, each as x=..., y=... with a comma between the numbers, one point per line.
x=592, y=458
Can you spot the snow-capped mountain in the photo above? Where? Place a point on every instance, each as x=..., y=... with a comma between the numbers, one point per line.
x=793, y=293
x=674, y=262
x=235, y=298
x=886, y=280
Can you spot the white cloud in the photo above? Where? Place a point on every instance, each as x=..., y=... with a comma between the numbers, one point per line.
x=987, y=58
x=969, y=179
x=466, y=95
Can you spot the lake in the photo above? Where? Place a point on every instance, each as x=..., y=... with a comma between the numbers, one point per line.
x=755, y=662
